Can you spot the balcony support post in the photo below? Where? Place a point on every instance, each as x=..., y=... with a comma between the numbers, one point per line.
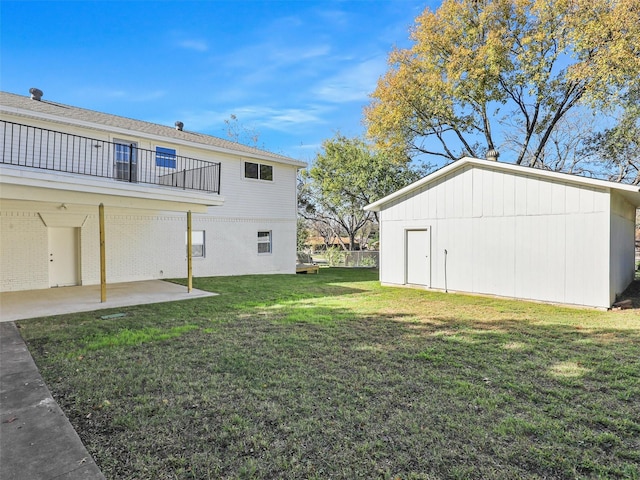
x=103, y=257
x=189, y=254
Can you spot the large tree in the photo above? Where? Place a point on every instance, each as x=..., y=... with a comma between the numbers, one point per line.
x=479, y=67
x=346, y=175
x=616, y=150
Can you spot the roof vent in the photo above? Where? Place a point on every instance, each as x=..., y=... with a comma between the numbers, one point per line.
x=179, y=125
x=492, y=155
x=35, y=94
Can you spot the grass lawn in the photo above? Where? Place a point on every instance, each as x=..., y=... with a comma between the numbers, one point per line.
x=332, y=376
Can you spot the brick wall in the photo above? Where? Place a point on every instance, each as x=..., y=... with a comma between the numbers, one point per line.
x=144, y=247
x=23, y=251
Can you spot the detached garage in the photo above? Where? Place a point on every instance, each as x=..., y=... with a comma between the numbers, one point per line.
x=486, y=227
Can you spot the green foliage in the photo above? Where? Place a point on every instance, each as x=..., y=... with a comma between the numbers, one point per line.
x=349, y=170
x=345, y=177
x=476, y=66
x=302, y=234
x=368, y=261
x=335, y=256
x=131, y=337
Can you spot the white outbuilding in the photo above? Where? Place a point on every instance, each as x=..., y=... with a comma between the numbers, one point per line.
x=493, y=228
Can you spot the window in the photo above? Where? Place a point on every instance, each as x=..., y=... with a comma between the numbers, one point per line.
x=165, y=157
x=258, y=170
x=125, y=161
x=197, y=243
x=264, y=242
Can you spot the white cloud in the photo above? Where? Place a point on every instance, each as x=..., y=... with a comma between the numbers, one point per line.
x=197, y=45
x=259, y=118
x=352, y=84
x=272, y=55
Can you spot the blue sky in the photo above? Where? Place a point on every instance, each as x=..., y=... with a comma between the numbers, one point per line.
x=296, y=72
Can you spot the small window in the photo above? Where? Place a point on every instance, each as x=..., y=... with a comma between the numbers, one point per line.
x=258, y=170
x=266, y=172
x=197, y=243
x=264, y=242
x=250, y=170
x=165, y=157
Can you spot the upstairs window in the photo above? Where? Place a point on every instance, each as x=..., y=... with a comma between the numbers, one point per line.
x=258, y=171
x=264, y=242
x=125, y=163
x=165, y=157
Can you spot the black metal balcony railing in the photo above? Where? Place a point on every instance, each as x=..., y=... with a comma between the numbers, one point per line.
x=34, y=147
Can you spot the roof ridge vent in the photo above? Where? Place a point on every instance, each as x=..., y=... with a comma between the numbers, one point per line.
x=492, y=155
x=36, y=94
x=179, y=125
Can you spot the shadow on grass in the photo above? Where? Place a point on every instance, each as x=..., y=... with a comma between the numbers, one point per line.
x=632, y=293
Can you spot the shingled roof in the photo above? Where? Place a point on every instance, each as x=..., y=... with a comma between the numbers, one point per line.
x=23, y=106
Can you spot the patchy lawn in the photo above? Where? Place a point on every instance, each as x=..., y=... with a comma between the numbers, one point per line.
x=332, y=376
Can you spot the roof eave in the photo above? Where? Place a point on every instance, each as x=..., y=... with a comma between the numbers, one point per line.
x=150, y=136
x=630, y=192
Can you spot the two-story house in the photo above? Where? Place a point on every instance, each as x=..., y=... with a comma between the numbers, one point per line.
x=60, y=163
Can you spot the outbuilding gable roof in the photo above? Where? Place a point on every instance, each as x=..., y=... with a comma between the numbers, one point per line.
x=630, y=192
x=43, y=109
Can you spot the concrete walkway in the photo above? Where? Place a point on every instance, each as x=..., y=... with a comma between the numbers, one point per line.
x=37, y=442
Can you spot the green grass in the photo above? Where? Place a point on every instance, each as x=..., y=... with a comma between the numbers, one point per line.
x=332, y=376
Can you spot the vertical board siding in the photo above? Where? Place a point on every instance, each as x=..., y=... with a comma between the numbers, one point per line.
x=622, y=253
x=558, y=198
x=510, y=235
x=477, y=190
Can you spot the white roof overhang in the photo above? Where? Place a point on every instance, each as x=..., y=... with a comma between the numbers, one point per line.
x=46, y=186
x=630, y=192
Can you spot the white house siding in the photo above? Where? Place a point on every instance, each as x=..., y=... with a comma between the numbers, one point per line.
x=139, y=245
x=505, y=234
x=150, y=244
x=623, y=225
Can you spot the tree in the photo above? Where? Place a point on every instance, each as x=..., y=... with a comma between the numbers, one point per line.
x=477, y=66
x=347, y=175
x=241, y=133
x=302, y=234
x=617, y=149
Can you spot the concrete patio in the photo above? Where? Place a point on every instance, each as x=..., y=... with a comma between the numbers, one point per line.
x=56, y=301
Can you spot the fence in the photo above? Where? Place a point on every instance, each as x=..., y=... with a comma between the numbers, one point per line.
x=341, y=258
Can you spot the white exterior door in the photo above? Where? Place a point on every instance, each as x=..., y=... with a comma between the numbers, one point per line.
x=418, y=266
x=64, y=258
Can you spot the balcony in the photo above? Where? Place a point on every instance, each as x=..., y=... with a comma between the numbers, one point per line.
x=49, y=150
